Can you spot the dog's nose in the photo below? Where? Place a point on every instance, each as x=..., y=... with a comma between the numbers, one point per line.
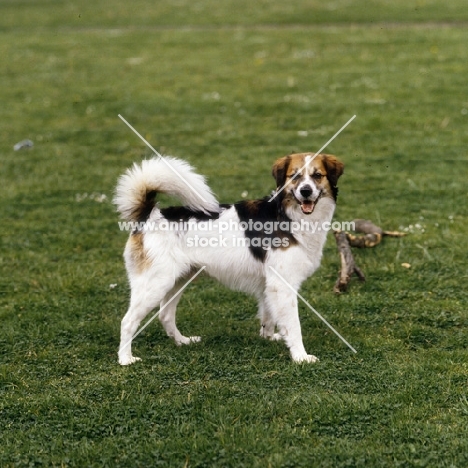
x=306, y=191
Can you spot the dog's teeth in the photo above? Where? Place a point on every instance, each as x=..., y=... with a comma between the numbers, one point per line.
x=307, y=207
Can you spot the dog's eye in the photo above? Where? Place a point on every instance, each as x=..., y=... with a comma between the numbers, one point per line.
x=295, y=175
x=317, y=176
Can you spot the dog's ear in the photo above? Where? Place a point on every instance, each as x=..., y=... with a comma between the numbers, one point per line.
x=279, y=173
x=279, y=170
x=335, y=169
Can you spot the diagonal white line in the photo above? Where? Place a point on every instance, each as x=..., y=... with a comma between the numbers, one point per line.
x=158, y=154
x=317, y=152
x=314, y=311
x=165, y=305
x=140, y=136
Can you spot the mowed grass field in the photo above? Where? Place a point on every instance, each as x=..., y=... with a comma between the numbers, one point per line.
x=231, y=86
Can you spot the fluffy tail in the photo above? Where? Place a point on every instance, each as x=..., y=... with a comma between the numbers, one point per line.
x=137, y=188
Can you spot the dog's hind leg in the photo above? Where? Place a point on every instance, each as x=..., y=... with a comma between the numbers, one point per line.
x=144, y=299
x=167, y=317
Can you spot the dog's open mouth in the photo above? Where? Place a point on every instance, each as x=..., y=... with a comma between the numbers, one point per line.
x=307, y=206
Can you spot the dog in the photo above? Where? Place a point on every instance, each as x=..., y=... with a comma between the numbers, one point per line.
x=265, y=249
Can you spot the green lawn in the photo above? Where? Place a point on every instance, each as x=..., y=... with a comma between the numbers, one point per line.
x=230, y=87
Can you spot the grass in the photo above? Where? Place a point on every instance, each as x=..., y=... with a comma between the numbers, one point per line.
x=230, y=92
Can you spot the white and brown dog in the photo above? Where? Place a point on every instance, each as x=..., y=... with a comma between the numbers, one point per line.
x=254, y=246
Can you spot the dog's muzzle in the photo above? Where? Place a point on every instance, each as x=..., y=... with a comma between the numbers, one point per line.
x=307, y=204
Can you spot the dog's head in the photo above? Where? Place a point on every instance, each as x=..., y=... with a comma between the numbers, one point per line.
x=305, y=178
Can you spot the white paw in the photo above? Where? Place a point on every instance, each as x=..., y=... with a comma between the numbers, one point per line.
x=186, y=340
x=310, y=358
x=277, y=337
x=127, y=360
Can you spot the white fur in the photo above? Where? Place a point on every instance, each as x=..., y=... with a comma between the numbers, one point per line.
x=167, y=175
x=170, y=260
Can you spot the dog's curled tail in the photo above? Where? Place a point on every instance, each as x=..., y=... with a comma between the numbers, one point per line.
x=137, y=189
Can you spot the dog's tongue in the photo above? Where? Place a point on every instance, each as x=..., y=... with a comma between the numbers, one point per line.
x=307, y=206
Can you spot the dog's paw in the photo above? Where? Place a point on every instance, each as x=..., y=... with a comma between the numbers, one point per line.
x=309, y=358
x=127, y=360
x=277, y=337
x=186, y=340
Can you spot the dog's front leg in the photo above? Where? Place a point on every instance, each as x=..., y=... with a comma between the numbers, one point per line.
x=282, y=303
x=267, y=323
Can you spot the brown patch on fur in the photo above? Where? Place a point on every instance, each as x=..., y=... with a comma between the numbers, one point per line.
x=252, y=207
x=324, y=162
x=297, y=162
x=334, y=168
x=279, y=170
x=137, y=251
